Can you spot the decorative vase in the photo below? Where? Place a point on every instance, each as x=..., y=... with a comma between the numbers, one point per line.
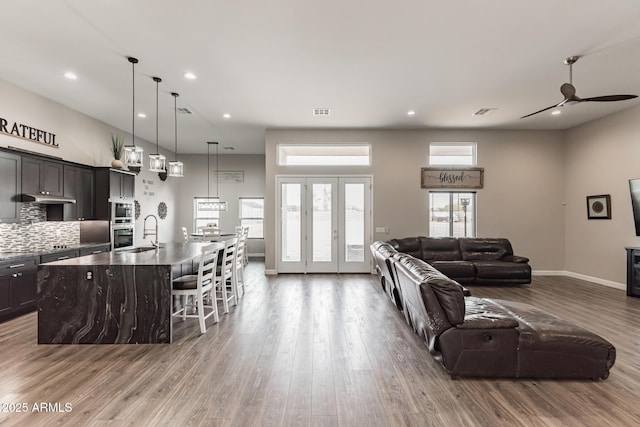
x=117, y=164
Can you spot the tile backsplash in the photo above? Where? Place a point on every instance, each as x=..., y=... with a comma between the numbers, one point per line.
x=33, y=232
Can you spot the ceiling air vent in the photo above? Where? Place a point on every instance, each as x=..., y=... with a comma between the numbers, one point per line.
x=483, y=111
x=321, y=111
x=184, y=110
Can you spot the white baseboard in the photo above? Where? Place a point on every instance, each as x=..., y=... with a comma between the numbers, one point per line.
x=579, y=276
x=270, y=272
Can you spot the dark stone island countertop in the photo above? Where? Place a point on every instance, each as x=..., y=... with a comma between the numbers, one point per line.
x=167, y=254
x=121, y=297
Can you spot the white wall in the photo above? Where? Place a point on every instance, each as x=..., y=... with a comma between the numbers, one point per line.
x=601, y=157
x=522, y=198
x=85, y=140
x=194, y=184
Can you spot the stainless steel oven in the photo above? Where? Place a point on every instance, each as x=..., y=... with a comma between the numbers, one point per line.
x=122, y=212
x=121, y=236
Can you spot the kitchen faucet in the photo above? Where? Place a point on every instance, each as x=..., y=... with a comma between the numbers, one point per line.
x=151, y=232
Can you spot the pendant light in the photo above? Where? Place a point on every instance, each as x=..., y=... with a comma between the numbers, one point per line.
x=176, y=168
x=216, y=205
x=157, y=160
x=133, y=154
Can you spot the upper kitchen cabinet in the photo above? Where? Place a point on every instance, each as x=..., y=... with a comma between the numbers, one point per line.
x=121, y=185
x=10, y=190
x=79, y=184
x=112, y=185
x=42, y=177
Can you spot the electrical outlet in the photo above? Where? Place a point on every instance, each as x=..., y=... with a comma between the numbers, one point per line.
x=89, y=275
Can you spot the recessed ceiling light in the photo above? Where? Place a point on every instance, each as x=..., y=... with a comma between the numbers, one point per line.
x=226, y=115
x=190, y=76
x=70, y=75
x=142, y=115
x=556, y=112
x=411, y=113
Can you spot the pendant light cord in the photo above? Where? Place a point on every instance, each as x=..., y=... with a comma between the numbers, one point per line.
x=157, y=80
x=208, y=170
x=175, y=121
x=133, y=101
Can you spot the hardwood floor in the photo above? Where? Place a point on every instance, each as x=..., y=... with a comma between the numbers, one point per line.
x=316, y=350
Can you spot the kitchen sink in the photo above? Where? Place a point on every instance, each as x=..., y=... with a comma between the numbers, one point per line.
x=138, y=250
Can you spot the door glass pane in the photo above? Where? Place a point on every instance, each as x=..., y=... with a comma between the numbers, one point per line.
x=291, y=204
x=439, y=214
x=354, y=222
x=322, y=224
x=463, y=214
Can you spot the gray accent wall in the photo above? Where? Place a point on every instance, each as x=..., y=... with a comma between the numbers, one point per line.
x=522, y=198
x=601, y=158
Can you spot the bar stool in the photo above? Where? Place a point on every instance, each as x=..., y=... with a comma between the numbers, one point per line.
x=200, y=286
x=226, y=286
x=238, y=266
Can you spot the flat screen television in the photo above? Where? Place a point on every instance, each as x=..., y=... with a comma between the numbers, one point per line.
x=634, y=187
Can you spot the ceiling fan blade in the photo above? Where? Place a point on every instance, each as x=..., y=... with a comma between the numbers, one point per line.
x=610, y=98
x=540, y=111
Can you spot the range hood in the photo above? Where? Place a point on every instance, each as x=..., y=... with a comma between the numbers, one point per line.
x=47, y=199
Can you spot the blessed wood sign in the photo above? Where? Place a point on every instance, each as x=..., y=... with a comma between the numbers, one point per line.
x=452, y=177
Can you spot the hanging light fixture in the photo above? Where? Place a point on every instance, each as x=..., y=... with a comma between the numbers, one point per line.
x=216, y=204
x=157, y=160
x=133, y=154
x=176, y=168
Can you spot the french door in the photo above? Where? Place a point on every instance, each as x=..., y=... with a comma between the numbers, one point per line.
x=324, y=224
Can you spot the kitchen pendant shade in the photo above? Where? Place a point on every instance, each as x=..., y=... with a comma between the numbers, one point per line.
x=157, y=163
x=176, y=168
x=133, y=155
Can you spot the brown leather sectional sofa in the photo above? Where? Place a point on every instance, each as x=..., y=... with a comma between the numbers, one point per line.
x=481, y=337
x=469, y=260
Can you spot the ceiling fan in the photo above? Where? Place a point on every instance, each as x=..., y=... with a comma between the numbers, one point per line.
x=569, y=92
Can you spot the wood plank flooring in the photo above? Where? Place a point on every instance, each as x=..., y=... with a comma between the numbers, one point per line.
x=316, y=350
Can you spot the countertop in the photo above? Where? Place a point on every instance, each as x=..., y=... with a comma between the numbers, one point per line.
x=10, y=255
x=167, y=254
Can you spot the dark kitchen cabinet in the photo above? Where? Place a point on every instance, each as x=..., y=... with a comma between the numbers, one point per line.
x=79, y=183
x=121, y=185
x=98, y=249
x=18, y=286
x=42, y=176
x=112, y=185
x=11, y=187
x=58, y=256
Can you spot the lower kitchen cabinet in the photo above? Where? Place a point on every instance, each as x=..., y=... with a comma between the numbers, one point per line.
x=17, y=286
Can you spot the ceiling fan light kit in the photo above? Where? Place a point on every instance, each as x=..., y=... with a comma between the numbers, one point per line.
x=569, y=92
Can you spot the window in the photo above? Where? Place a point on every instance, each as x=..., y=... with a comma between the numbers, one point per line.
x=204, y=212
x=452, y=154
x=324, y=155
x=252, y=216
x=452, y=213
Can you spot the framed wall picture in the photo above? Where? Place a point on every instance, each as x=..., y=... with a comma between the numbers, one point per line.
x=599, y=207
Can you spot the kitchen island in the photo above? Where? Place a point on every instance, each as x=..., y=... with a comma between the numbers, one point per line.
x=121, y=297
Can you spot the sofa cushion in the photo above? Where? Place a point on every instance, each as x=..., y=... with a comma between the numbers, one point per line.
x=408, y=245
x=502, y=270
x=473, y=249
x=456, y=270
x=440, y=249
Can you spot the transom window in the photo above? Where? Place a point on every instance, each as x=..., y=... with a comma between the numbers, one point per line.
x=324, y=155
x=452, y=154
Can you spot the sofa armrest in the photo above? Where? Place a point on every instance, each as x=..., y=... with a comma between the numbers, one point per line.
x=516, y=258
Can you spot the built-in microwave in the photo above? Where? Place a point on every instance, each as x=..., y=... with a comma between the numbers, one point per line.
x=121, y=236
x=122, y=212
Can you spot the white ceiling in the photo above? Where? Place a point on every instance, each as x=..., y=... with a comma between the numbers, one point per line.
x=269, y=63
